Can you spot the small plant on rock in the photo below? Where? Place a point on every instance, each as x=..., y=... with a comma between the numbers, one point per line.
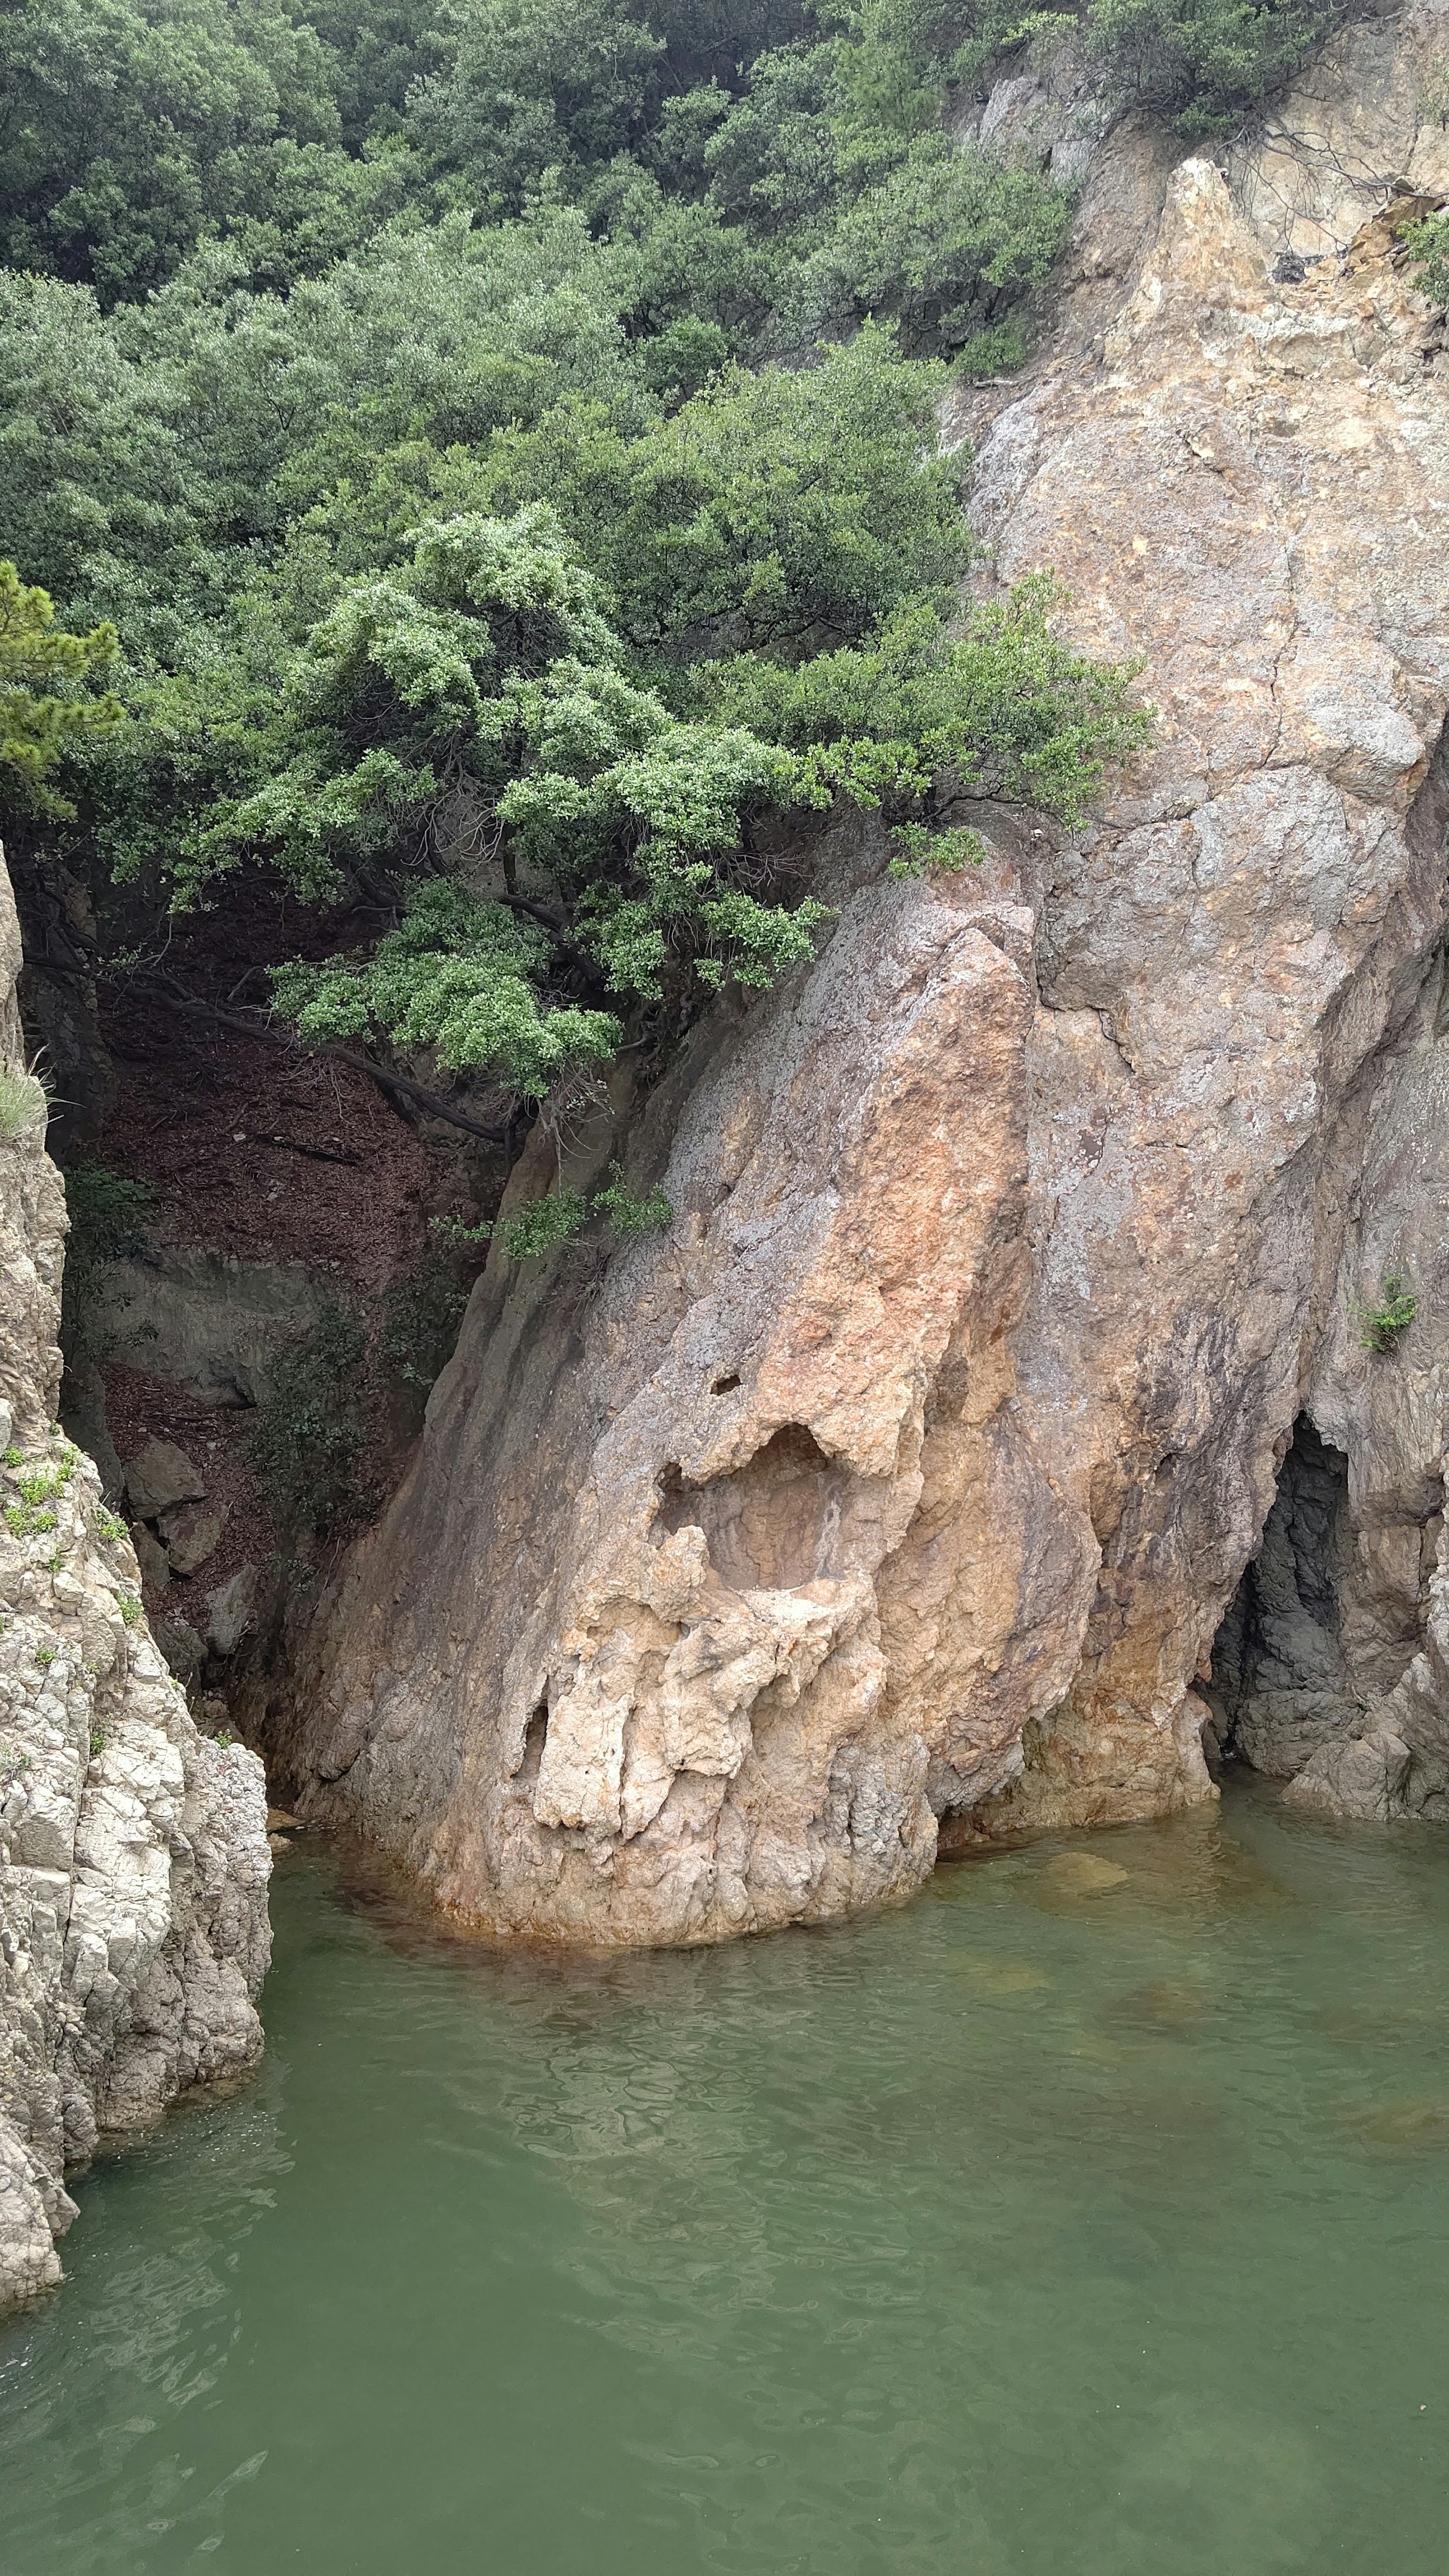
x=1394, y=1313
x=1427, y=243
x=563, y=1214
x=129, y=1608
x=921, y=852
x=630, y=1217
x=24, y=1105
x=43, y=1483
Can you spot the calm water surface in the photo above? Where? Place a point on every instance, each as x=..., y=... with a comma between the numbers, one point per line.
x=1094, y=2229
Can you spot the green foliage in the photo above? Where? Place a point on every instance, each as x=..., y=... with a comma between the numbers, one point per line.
x=503, y=434
x=45, y=1655
x=629, y=1217
x=310, y=1435
x=98, y=1733
x=129, y=1606
x=1200, y=64
x=456, y=977
x=134, y=127
x=545, y=1225
x=452, y=1230
x=536, y=86
x=564, y=1213
x=25, y=1520
x=1427, y=243
x=920, y=852
x=480, y=697
x=108, y=1528
x=1000, y=706
x=1384, y=1323
x=775, y=511
x=45, y=695
x=1203, y=63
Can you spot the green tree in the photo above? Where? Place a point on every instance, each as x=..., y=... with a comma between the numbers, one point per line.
x=47, y=692
x=576, y=848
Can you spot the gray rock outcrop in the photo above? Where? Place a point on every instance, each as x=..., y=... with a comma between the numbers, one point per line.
x=133, y=1850
x=902, y=1488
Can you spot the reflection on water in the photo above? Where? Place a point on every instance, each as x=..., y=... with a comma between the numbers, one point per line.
x=1088, y=2216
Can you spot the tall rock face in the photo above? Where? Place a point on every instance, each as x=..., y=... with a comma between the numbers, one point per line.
x=903, y=1487
x=133, y=1850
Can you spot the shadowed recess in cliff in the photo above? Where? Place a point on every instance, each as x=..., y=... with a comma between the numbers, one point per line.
x=1281, y=1682
x=774, y=1523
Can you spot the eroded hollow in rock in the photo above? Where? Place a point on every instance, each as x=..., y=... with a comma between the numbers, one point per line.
x=773, y=1523
x=1281, y=1684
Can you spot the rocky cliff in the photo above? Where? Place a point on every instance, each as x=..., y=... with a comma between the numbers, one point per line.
x=902, y=1489
x=133, y=1850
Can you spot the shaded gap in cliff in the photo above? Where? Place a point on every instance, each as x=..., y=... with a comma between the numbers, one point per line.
x=771, y=1524
x=1280, y=1683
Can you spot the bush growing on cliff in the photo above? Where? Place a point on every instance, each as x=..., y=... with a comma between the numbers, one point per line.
x=1386, y=1321
x=472, y=716
x=1203, y=65
x=1427, y=243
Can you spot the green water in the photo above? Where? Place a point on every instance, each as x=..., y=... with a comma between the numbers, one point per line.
x=1088, y=2231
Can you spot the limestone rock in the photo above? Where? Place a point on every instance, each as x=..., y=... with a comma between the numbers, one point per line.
x=133, y=1851
x=911, y=1473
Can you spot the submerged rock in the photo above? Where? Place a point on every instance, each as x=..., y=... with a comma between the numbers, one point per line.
x=133, y=1852
x=910, y=1474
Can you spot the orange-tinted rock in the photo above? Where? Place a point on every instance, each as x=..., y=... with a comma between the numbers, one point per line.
x=910, y=1473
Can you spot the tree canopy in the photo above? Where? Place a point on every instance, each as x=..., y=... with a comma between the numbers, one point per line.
x=489, y=449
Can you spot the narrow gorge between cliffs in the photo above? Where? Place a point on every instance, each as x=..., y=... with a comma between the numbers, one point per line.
x=724, y=1286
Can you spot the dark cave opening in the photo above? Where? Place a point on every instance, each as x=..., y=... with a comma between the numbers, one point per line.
x=1281, y=1683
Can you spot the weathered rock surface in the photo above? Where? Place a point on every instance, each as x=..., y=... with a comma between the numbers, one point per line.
x=911, y=1475
x=133, y=1850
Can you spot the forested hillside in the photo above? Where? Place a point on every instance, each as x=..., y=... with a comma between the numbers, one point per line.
x=485, y=454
